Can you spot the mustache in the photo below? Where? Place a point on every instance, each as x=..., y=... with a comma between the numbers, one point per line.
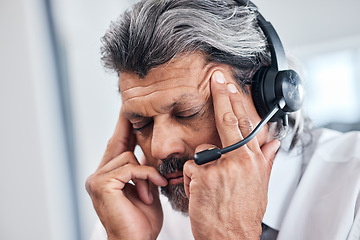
x=172, y=164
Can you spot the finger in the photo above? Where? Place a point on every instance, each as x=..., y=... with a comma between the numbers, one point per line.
x=226, y=121
x=244, y=122
x=128, y=158
x=143, y=190
x=269, y=151
x=122, y=140
x=119, y=161
x=246, y=128
x=189, y=168
x=137, y=172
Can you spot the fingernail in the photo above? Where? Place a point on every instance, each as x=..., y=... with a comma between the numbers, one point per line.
x=219, y=77
x=232, y=88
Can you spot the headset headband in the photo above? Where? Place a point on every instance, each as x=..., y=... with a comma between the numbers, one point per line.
x=278, y=57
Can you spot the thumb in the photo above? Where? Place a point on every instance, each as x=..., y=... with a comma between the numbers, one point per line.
x=191, y=168
x=122, y=140
x=269, y=150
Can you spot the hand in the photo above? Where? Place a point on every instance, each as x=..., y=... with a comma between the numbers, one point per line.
x=228, y=197
x=127, y=211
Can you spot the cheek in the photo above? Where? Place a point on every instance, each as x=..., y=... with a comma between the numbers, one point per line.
x=205, y=131
x=145, y=144
x=208, y=133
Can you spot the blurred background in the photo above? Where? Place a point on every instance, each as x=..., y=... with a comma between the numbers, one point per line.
x=59, y=106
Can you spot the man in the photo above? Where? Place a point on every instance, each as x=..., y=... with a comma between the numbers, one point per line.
x=185, y=72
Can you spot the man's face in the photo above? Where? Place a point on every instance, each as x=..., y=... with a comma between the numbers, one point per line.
x=171, y=112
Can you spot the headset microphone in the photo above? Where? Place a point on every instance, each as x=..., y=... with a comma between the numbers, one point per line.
x=276, y=90
x=215, y=153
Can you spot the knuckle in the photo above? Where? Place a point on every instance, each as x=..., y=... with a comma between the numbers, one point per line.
x=128, y=167
x=109, y=143
x=245, y=124
x=130, y=157
x=91, y=183
x=229, y=119
x=127, y=155
x=187, y=168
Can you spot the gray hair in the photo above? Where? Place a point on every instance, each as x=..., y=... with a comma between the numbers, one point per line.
x=155, y=31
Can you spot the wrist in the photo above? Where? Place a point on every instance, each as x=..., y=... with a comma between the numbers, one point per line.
x=253, y=233
x=130, y=237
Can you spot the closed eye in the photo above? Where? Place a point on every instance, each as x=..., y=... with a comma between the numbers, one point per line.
x=142, y=127
x=189, y=113
x=187, y=116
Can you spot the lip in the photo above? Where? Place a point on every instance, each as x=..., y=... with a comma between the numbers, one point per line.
x=175, y=178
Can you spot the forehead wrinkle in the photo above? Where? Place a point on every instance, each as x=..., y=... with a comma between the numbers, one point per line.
x=145, y=95
x=160, y=109
x=184, y=73
x=178, y=101
x=152, y=87
x=163, y=74
x=131, y=113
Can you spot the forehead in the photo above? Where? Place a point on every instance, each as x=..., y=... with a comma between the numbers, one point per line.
x=184, y=70
x=181, y=78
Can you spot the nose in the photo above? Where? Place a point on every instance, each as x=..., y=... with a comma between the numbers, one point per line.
x=167, y=139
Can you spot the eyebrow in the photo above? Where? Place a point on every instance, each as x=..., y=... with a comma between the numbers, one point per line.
x=133, y=115
x=178, y=102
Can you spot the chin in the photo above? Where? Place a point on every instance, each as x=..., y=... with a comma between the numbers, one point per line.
x=177, y=197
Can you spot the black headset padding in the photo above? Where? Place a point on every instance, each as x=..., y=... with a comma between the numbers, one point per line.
x=271, y=83
x=257, y=91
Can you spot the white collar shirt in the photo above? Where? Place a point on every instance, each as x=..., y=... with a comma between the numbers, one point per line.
x=314, y=193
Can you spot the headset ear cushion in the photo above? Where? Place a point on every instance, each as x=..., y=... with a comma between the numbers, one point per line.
x=257, y=91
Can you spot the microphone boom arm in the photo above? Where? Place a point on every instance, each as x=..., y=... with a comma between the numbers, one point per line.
x=215, y=153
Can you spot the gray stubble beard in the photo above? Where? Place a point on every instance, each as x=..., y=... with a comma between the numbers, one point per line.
x=175, y=193
x=177, y=197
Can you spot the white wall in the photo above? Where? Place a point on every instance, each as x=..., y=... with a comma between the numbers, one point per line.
x=22, y=203
x=35, y=199
x=93, y=91
x=307, y=23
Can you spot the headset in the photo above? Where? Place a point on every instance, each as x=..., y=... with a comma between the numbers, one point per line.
x=277, y=91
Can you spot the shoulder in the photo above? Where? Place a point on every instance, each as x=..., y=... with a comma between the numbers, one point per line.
x=332, y=163
x=335, y=146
